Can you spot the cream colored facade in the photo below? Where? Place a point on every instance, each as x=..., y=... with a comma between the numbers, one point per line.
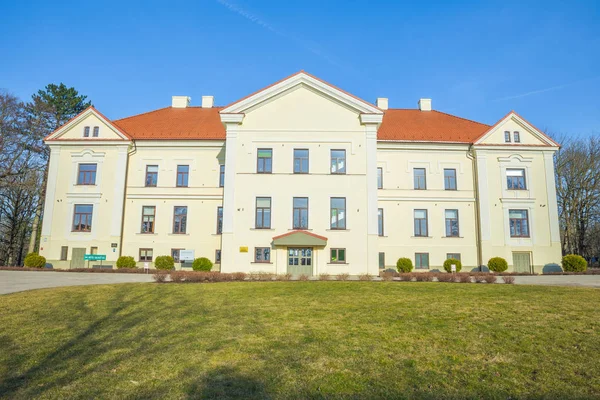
x=301, y=113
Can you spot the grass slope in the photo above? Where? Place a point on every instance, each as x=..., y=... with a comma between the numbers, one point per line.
x=301, y=340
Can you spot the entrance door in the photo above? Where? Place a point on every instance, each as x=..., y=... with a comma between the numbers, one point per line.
x=300, y=261
x=77, y=258
x=522, y=262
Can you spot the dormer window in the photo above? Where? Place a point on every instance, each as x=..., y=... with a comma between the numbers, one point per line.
x=96, y=131
x=517, y=137
x=86, y=131
x=506, y=137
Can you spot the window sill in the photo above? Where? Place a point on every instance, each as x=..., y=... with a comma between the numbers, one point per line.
x=299, y=229
x=338, y=263
x=520, y=237
x=382, y=236
x=147, y=234
x=421, y=237
x=261, y=262
x=337, y=230
x=262, y=229
x=453, y=237
x=81, y=231
x=422, y=268
x=178, y=234
x=85, y=184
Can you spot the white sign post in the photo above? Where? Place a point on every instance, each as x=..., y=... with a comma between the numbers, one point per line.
x=453, y=268
x=146, y=267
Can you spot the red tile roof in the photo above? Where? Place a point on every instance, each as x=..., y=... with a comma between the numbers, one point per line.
x=428, y=126
x=191, y=123
x=196, y=123
x=300, y=231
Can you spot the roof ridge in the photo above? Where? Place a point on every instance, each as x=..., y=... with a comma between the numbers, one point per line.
x=144, y=113
x=464, y=119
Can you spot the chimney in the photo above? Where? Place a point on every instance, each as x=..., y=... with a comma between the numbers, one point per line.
x=180, y=101
x=425, y=104
x=208, y=101
x=382, y=102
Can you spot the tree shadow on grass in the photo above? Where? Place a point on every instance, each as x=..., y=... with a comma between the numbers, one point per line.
x=227, y=383
x=77, y=356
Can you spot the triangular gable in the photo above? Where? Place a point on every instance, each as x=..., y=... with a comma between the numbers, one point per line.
x=299, y=238
x=529, y=134
x=300, y=78
x=73, y=129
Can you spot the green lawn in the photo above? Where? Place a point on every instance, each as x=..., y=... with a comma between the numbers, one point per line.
x=301, y=340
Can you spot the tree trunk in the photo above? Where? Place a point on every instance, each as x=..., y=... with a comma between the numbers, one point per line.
x=38, y=211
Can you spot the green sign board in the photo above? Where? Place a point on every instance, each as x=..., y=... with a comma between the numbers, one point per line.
x=94, y=257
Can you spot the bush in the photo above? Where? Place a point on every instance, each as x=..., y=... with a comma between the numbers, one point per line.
x=239, y=276
x=365, y=277
x=284, y=277
x=324, y=276
x=126, y=262
x=202, y=264
x=34, y=260
x=160, y=277
x=404, y=264
x=508, y=279
x=424, y=277
x=164, y=263
x=388, y=276
x=463, y=278
x=445, y=278
x=497, y=264
x=303, y=277
x=490, y=278
x=574, y=263
x=343, y=276
x=408, y=277
x=448, y=264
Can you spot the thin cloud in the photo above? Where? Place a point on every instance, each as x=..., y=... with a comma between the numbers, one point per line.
x=312, y=47
x=518, y=96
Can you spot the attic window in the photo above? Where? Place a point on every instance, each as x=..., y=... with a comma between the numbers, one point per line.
x=517, y=137
x=86, y=131
x=96, y=130
x=506, y=137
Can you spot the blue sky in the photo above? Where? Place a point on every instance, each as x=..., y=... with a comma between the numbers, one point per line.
x=477, y=60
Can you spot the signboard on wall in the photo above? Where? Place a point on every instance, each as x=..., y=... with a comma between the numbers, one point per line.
x=186, y=255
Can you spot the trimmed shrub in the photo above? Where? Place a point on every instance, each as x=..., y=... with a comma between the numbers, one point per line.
x=404, y=264
x=177, y=276
x=239, y=276
x=490, y=278
x=126, y=262
x=303, y=277
x=408, y=277
x=284, y=277
x=365, y=277
x=574, y=263
x=34, y=260
x=497, y=264
x=424, y=277
x=164, y=263
x=343, y=276
x=445, y=278
x=463, y=278
x=202, y=264
x=265, y=276
x=388, y=276
x=508, y=279
x=448, y=264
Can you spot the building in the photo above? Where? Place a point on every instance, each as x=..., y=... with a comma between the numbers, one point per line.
x=302, y=177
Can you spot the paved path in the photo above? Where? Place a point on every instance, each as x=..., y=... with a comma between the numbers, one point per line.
x=18, y=281
x=559, y=280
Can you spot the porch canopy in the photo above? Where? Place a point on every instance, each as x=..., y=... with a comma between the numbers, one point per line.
x=300, y=239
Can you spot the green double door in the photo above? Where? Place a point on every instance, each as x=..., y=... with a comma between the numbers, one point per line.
x=522, y=262
x=300, y=260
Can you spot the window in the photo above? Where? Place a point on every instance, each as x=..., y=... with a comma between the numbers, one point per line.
x=380, y=221
x=87, y=174
x=456, y=256
x=519, y=223
x=338, y=161
x=338, y=213
x=381, y=260
x=517, y=137
x=262, y=254
x=506, y=136
x=86, y=131
x=379, y=178
x=301, y=161
x=338, y=256
x=221, y=175
x=451, y=223
x=183, y=173
x=148, y=214
x=450, y=179
x=264, y=162
x=219, y=220
x=300, y=213
x=151, y=175
x=64, y=252
x=420, y=222
x=179, y=219
x=515, y=179
x=146, y=255
x=96, y=131
x=82, y=218
x=93, y=250
x=263, y=213
x=217, y=256
x=175, y=253
x=420, y=180
x=421, y=260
